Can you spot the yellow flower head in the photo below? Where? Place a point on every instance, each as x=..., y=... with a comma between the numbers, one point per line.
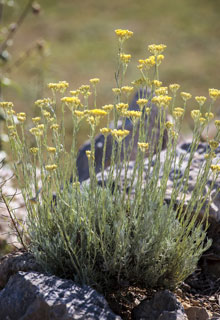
x=119, y=134
x=116, y=91
x=196, y=114
x=217, y=124
x=51, y=149
x=202, y=120
x=84, y=90
x=156, y=49
x=72, y=102
x=40, y=126
x=36, y=119
x=143, y=146
x=169, y=125
x=213, y=144
x=209, y=116
x=147, y=63
x=94, y=81
x=51, y=167
x=122, y=106
x=185, y=96
x=142, y=102
x=21, y=116
x=79, y=114
x=127, y=90
x=214, y=94
x=54, y=126
x=133, y=115
x=75, y=93
x=43, y=102
x=97, y=113
x=162, y=101
x=36, y=132
x=160, y=58
x=123, y=34
x=89, y=154
x=201, y=100
x=215, y=168
x=178, y=112
x=10, y=112
x=6, y=105
x=147, y=110
x=46, y=114
x=108, y=107
x=157, y=83
x=61, y=86
x=161, y=91
x=174, y=87
x=34, y=150
x=125, y=58
x=105, y=131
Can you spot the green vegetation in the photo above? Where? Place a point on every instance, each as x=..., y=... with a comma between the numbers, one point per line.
x=102, y=235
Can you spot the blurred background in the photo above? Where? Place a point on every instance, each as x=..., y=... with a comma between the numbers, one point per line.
x=75, y=41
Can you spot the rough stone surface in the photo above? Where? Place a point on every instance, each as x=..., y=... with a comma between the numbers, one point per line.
x=82, y=160
x=163, y=306
x=194, y=313
x=38, y=296
x=14, y=262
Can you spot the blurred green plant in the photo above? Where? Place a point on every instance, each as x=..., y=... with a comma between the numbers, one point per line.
x=102, y=234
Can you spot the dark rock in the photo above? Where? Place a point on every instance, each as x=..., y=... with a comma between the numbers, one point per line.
x=163, y=306
x=38, y=296
x=14, y=262
x=153, y=137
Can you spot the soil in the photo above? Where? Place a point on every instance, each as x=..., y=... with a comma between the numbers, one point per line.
x=200, y=289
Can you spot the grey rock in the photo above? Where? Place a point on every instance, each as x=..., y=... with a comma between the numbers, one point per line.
x=163, y=306
x=14, y=262
x=82, y=160
x=38, y=296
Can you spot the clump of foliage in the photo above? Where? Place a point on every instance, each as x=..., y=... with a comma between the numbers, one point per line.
x=103, y=234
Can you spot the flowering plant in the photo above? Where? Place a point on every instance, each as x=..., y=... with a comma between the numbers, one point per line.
x=105, y=233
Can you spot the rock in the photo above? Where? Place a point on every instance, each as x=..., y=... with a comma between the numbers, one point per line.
x=14, y=262
x=82, y=161
x=163, y=306
x=38, y=296
x=197, y=313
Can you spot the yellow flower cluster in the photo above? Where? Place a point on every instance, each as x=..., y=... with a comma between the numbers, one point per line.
x=217, y=124
x=123, y=34
x=43, y=102
x=161, y=91
x=174, y=87
x=116, y=91
x=75, y=93
x=54, y=126
x=94, y=81
x=6, y=105
x=215, y=168
x=79, y=114
x=214, y=94
x=169, y=125
x=142, y=102
x=105, y=131
x=108, y=107
x=72, y=102
x=61, y=86
x=121, y=107
x=178, y=112
x=156, y=49
x=34, y=150
x=127, y=90
x=51, y=167
x=213, y=144
x=119, y=134
x=147, y=63
x=125, y=58
x=156, y=83
x=46, y=114
x=51, y=149
x=36, y=131
x=209, y=115
x=161, y=101
x=143, y=146
x=185, y=96
x=133, y=115
x=84, y=90
x=36, y=119
x=97, y=113
x=201, y=100
x=89, y=154
x=196, y=114
x=21, y=116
